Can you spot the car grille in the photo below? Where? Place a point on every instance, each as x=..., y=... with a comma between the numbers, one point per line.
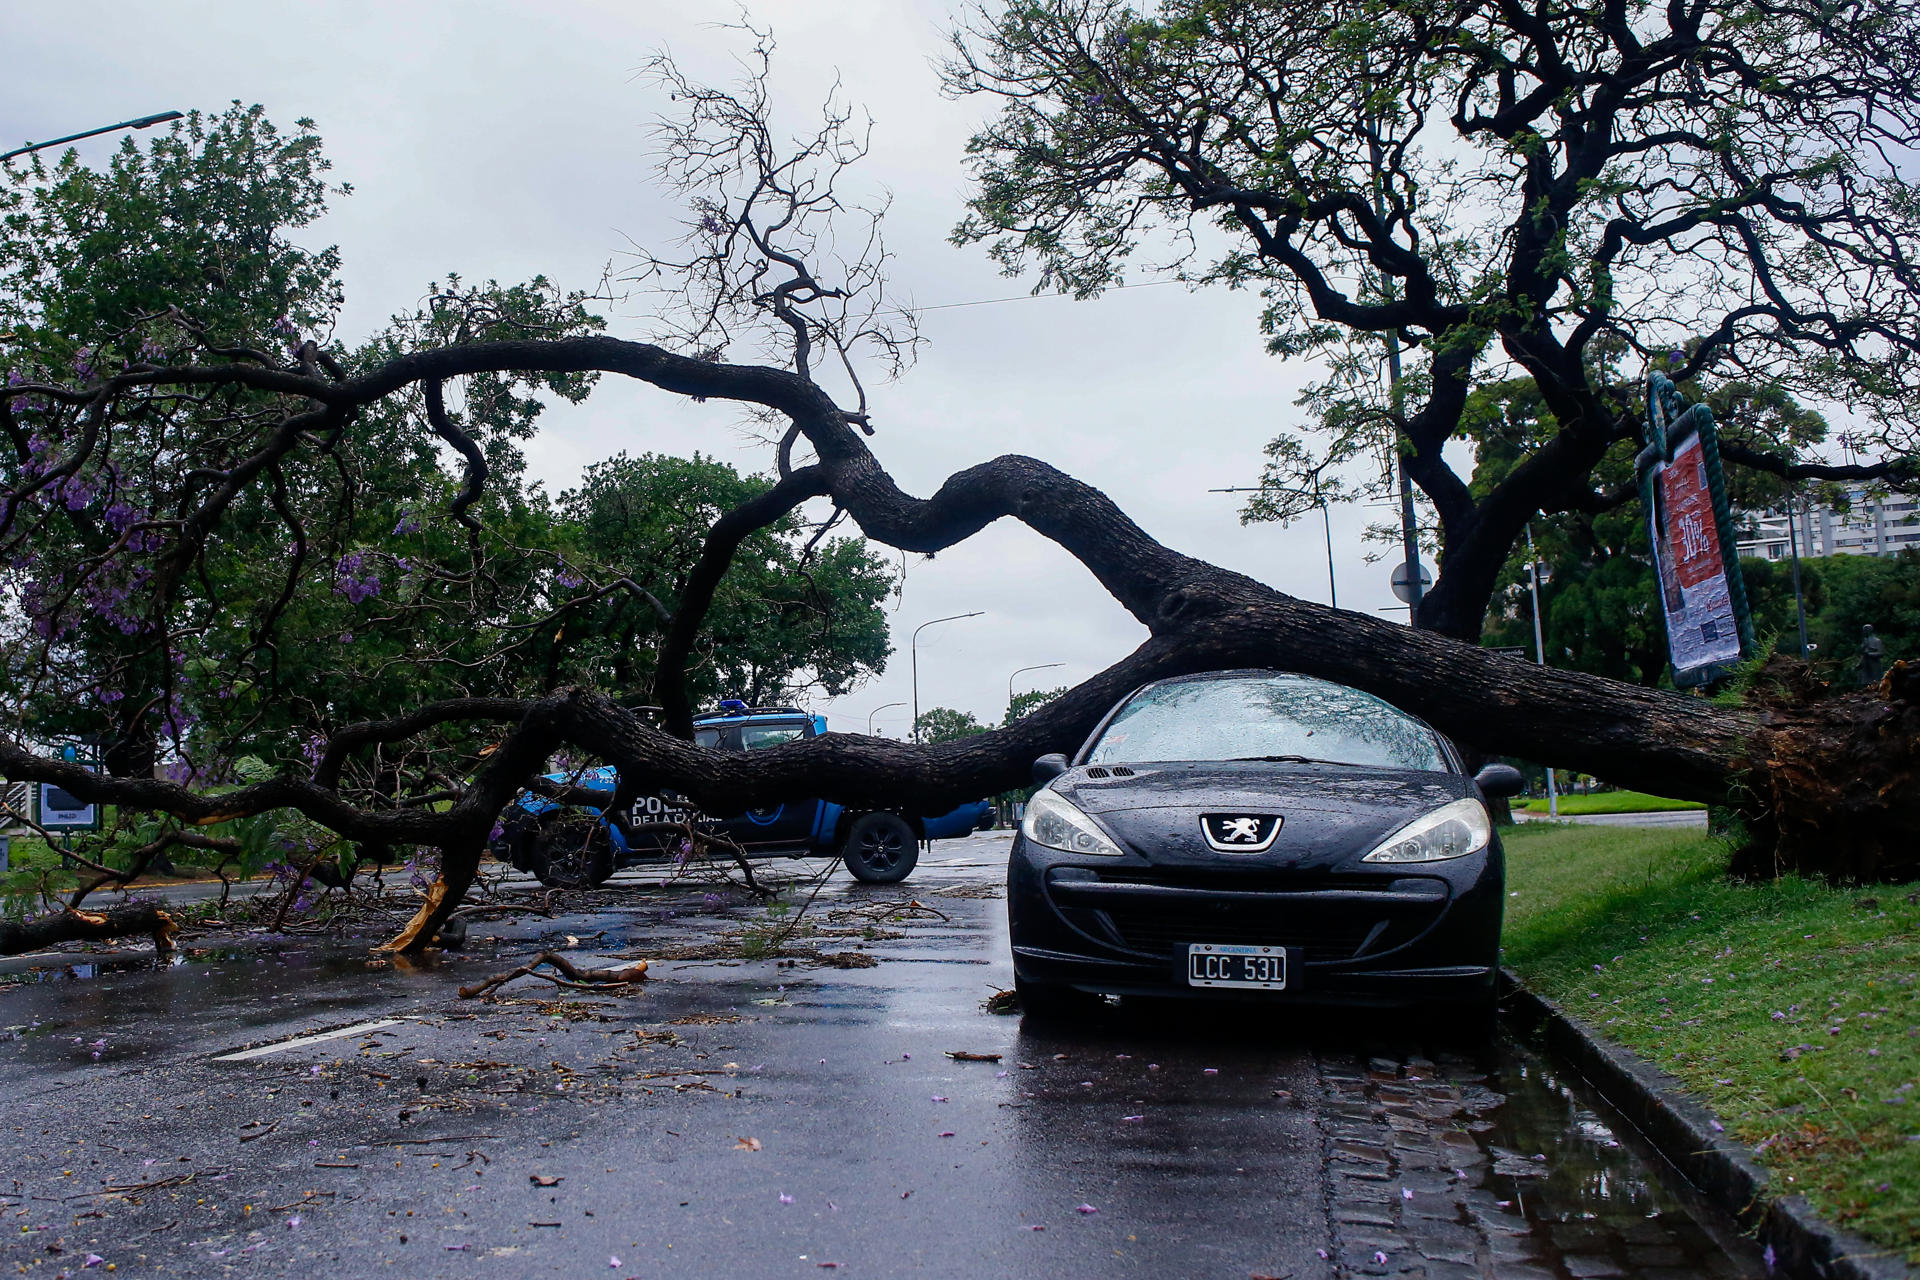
x=1166, y=933
x=1354, y=916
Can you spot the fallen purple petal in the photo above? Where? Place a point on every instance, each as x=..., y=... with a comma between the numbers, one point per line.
x=1086, y=1208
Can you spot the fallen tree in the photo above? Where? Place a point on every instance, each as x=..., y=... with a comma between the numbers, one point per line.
x=1825, y=781
x=71, y=924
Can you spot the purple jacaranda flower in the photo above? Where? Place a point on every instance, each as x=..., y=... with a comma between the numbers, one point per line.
x=354, y=579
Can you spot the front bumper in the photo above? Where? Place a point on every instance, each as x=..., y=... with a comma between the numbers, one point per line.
x=1396, y=936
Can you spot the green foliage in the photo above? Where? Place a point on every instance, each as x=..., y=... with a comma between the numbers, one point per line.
x=1600, y=604
x=944, y=724
x=1025, y=704
x=94, y=260
x=785, y=618
x=340, y=586
x=1788, y=1007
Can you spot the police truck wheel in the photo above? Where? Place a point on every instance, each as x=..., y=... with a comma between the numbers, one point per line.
x=569, y=853
x=881, y=848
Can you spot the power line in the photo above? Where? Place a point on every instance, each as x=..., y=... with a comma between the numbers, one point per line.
x=1028, y=297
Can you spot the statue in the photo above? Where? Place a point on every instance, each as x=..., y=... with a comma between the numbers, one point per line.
x=1873, y=658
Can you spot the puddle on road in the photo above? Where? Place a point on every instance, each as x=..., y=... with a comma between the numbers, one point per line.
x=1459, y=1163
x=1456, y=1163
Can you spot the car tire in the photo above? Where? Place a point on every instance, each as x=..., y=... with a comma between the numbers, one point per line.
x=1052, y=1002
x=563, y=856
x=880, y=849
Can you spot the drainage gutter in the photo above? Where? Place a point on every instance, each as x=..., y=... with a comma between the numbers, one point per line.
x=1687, y=1134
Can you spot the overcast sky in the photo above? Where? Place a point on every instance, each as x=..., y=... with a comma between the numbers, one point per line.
x=503, y=140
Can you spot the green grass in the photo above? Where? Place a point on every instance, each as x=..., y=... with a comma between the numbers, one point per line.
x=1611, y=802
x=1737, y=990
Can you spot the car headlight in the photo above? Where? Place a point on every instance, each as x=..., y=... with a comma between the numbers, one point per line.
x=1052, y=822
x=1451, y=831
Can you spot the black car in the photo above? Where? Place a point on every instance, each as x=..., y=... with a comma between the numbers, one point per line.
x=1259, y=835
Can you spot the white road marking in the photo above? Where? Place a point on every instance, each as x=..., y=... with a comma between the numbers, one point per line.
x=300, y=1041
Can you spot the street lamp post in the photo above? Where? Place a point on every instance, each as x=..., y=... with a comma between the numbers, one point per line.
x=876, y=711
x=1793, y=545
x=1042, y=667
x=1326, y=527
x=143, y=122
x=1540, y=653
x=913, y=653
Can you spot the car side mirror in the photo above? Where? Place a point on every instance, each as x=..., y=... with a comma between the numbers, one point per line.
x=1050, y=766
x=1497, y=780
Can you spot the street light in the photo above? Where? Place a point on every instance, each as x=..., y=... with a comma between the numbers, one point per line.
x=1540, y=652
x=913, y=653
x=143, y=122
x=876, y=711
x=1326, y=527
x=1042, y=667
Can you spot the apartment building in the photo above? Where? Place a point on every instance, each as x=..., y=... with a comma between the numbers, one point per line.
x=1870, y=526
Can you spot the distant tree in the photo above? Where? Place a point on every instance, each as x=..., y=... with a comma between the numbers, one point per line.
x=1882, y=592
x=944, y=724
x=1600, y=611
x=795, y=613
x=1030, y=701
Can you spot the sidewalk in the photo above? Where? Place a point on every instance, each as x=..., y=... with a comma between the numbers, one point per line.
x=1668, y=818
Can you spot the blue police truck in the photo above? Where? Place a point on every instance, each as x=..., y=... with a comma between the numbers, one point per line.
x=577, y=845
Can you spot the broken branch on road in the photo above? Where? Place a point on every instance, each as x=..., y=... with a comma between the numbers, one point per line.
x=574, y=976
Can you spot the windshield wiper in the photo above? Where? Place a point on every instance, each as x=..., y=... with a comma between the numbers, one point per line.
x=1300, y=760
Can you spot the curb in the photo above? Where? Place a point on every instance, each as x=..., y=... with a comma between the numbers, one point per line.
x=1686, y=1133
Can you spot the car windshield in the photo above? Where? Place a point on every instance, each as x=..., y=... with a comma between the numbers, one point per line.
x=709, y=738
x=1263, y=717
x=755, y=736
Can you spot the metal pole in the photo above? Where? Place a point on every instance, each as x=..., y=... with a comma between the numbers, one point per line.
x=1540, y=653
x=913, y=654
x=1326, y=525
x=141, y=123
x=1793, y=545
x=1042, y=667
x=876, y=711
x=1409, y=525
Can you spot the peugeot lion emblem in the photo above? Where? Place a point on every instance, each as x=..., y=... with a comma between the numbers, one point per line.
x=1240, y=832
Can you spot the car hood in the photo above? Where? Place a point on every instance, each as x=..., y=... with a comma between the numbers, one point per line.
x=1329, y=813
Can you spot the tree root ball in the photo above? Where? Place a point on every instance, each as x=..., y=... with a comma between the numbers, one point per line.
x=1833, y=786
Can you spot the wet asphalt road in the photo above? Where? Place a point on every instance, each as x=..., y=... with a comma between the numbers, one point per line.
x=758, y=1119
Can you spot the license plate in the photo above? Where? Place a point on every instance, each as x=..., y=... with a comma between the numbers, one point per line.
x=1212, y=964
